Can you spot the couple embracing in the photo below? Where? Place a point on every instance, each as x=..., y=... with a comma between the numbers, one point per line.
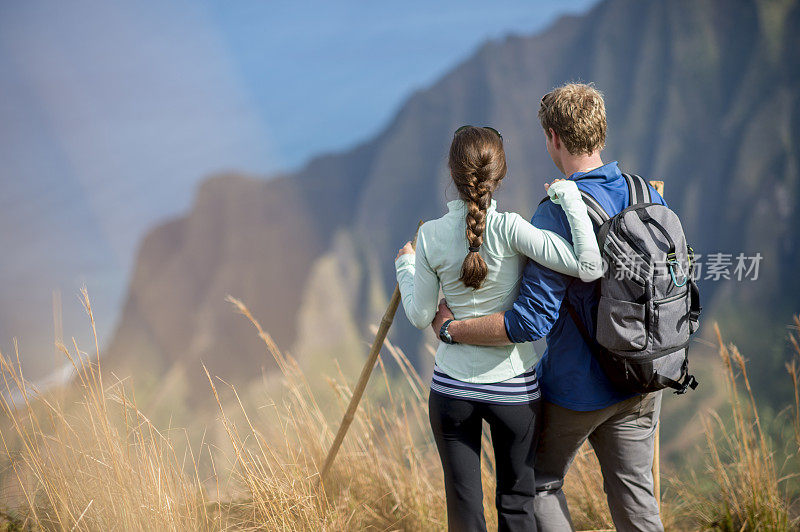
x=506, y=283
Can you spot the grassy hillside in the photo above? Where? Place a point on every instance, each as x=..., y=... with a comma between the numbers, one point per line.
x=90, y=457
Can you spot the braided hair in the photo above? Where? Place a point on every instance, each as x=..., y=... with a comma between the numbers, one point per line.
x=477, y=164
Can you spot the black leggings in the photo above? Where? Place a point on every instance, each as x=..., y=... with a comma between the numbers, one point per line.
x=457, y=429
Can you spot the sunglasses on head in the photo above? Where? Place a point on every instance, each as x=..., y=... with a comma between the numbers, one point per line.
x=484, y=127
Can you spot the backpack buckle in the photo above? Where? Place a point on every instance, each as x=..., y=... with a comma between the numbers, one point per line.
x=688, y=382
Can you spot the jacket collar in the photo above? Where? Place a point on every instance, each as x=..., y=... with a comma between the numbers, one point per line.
x=607, y=172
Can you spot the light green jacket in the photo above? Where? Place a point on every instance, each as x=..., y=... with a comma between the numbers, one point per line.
x=508, y=241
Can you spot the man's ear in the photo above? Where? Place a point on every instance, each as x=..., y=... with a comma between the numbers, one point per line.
x=554, y=139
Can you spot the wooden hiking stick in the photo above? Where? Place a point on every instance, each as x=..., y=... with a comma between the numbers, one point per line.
x=366, y=371
x=659, y=186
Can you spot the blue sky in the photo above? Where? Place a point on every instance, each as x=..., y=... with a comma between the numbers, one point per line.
x=330, y=74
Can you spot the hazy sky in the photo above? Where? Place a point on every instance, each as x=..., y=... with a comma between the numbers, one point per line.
x=135, y=102
x=112, y=112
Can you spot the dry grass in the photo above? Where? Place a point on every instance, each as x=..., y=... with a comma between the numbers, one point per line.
x=87, y=458
x=744, y=487
x=381, y=479
x=97, y=464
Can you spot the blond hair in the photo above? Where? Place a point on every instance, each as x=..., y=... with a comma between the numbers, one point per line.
x=577, y=113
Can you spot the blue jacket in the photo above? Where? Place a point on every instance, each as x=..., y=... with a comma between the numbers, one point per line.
x=568, y=373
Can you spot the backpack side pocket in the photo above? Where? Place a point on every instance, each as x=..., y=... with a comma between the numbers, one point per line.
x=621, y=325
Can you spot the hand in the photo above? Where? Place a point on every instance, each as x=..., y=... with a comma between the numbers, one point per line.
x=443, y=313
x=405, y=250
x=547, y=185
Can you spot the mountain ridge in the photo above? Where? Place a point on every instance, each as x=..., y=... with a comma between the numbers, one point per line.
x=692, y=90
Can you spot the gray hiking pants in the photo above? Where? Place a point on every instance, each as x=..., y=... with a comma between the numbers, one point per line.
x=622, y=436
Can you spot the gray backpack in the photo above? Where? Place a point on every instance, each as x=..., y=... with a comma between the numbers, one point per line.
x=649, y=303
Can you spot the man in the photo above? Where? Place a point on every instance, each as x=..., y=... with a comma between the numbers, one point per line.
x=580, y=402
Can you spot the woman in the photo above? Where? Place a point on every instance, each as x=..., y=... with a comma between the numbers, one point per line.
x=477, y=255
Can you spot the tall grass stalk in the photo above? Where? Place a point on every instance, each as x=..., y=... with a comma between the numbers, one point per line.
x=747, y=491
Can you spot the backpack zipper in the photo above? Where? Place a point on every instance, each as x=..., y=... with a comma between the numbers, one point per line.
x=657, y=302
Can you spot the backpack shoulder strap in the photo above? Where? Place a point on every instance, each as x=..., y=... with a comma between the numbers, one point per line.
x=596, y=212
x=638, y=189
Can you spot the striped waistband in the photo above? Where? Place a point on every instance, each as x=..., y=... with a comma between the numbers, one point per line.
x=520, y=389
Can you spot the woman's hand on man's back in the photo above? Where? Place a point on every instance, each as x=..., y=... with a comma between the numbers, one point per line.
x=406, y=249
